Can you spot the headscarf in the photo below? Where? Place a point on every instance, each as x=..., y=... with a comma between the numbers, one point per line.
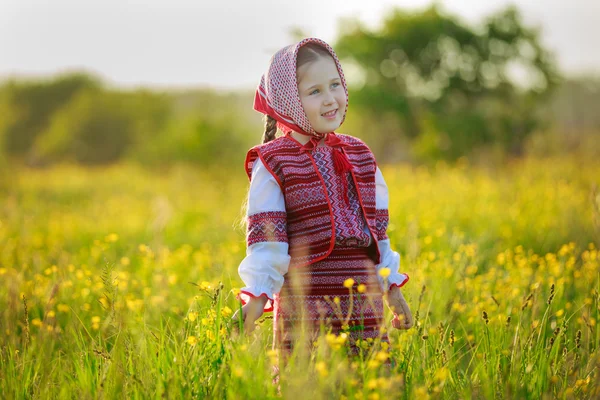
x=277, y=95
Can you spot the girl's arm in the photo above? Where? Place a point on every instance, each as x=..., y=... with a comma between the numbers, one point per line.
x=390, y=259
x=267, y=257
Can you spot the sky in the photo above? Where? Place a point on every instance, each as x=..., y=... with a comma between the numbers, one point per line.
x=228, y=44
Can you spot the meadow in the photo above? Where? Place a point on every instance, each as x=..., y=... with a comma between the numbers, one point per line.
x=120, y=282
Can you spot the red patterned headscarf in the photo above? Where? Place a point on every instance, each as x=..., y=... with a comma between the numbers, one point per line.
x=277, y=95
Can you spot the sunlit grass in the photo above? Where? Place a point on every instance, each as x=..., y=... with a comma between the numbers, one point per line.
x=122, y=282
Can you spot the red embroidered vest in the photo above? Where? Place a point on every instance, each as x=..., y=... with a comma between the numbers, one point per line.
x=309, y=217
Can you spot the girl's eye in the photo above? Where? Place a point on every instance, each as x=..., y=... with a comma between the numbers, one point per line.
x=336, y=84
x=314, y=91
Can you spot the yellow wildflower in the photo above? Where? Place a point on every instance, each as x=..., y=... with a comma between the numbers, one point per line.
x=192, y=316
x=348, y=283
x=62, y=308
x=192, y=340
x=384, y=272
x=226, y=312
x=361, y=288
x=321, y=369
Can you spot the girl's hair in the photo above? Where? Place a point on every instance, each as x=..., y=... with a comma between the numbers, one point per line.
x=308, y=53
x=270, y=129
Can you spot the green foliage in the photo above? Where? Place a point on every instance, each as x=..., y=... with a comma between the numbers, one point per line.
x=32, y=104
x=100, y=126
x=208, y=129
x=445, y=79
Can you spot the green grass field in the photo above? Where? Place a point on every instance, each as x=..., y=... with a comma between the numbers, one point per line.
x=120, y=283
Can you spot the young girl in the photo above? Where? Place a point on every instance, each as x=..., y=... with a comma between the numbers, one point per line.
x=318, y=252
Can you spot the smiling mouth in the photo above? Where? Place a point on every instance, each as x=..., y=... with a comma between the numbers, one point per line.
x=329, y=114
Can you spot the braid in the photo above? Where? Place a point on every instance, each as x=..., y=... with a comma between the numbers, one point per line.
x=270, y=129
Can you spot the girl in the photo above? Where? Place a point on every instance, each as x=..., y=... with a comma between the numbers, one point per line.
x=317, y=215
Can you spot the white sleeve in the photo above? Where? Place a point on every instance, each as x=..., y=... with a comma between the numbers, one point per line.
x=389, y=258
x=267, y=259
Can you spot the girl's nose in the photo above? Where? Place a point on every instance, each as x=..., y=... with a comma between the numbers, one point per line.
x=329, y=99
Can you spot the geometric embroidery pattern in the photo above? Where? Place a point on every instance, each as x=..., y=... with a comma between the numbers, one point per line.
x=349, y=221
x=382, y=219
x=269, y=226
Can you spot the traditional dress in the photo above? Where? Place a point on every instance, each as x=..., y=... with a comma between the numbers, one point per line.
x=306, y=294
x=317, y=216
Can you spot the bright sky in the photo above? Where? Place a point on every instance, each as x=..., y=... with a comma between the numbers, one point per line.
x=227, y=44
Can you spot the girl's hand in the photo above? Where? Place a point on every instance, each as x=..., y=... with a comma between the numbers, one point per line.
x=402, y=316
x=251, y=312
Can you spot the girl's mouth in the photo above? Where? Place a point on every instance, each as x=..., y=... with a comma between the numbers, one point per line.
x=330, y=115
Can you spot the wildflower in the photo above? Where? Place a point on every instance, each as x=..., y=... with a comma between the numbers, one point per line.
x=384, y=272
x=205, y=285
x=210, y=335
x=62, y=308
x=560, y=312
x=113, y=237
x=192, y=316
x=226, y=312
x=192, y=340
x=348, y=283
x=336, y=300
x=382, y=356
x=321, y=368
x=361, y=288
x=51, y=314
x=95, y=322
x=125, y=261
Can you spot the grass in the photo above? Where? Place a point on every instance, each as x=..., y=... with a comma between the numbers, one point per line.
x=120, y=282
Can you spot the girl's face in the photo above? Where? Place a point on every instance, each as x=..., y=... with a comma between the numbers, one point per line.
x=322, y=94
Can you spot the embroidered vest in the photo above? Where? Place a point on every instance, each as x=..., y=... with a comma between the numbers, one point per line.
x=309, y=217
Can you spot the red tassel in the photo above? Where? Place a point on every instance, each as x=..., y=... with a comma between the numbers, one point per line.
x=340, y=162
x=342, y=167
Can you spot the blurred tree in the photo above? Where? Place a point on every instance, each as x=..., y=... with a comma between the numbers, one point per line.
x=452, y=88
x=99, y=126
x=31, y=105
x=210, y=129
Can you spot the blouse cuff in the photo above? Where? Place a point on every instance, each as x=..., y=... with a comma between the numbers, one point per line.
x=391, y=260
x=247, y=293
x=263, y=271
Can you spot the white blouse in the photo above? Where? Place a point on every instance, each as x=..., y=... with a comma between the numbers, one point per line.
x=266, y=263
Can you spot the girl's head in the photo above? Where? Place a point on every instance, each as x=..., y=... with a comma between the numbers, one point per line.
x=304, y=81
x=320, y=88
